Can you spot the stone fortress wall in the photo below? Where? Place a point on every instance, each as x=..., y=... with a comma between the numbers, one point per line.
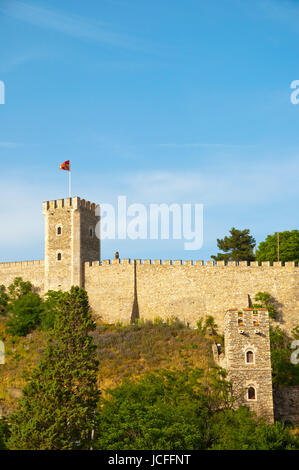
x=33, y=271
x=187, y=290
x=286, y=404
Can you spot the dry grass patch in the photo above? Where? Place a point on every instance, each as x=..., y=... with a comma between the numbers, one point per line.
x=123, y=352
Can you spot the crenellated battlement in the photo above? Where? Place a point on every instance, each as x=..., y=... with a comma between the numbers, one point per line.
x=198, y=263
x=69, y=203
x=247, y=317
x=70, y=240
x=22, y=264
x=32, y=271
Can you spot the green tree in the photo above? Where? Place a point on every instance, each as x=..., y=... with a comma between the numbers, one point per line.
x=265, y=300
x=19, y=288
x=295, y=332
x=284, y=373
x=288, y=247
x=25, y=314
x=162, y=410
x=182, y=410
x=241, y=430
x=58, y=405
x=51, y=306
x=208, y=325
x=3, y=300
x=237, y=247
x=4, y=433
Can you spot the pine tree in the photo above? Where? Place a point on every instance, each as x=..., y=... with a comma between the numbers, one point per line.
x=58, y=405
x=238, y=247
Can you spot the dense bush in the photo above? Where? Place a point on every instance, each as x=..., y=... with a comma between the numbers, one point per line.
x=240, y=430
x=18, y=288
x=182, y=410
x=22, y=305
x=208, y=325
x=26, y=309
x=284, y=373
x=163, y=410
x=25, y=314
x=4, y=298
x=265, y=300
x=4, y=434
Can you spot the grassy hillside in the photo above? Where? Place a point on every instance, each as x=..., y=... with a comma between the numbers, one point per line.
x=123, y=351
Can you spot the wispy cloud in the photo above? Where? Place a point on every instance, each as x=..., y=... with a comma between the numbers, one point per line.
x=251, y=185
x=74, y=25
x=203, y=145
x=10, y=145
x=252, y=189
x=12, y=63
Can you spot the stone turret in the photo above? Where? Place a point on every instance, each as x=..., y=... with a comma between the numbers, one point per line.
x=70, y=241
x=247, y=359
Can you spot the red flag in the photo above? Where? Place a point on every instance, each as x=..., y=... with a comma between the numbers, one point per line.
x=65, y=166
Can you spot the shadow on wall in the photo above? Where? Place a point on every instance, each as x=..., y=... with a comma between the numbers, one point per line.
x=135, y=309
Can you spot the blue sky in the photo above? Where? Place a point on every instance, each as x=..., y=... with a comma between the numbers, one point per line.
x=162, y=101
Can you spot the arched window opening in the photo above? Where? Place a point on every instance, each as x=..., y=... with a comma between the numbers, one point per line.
x=59, y=230
x=59, y=256
x=251, y=393
x=249, y=357
x=91, y=232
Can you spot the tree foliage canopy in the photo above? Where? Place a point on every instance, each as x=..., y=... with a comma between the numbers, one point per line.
x=3, y=300
x=19, y=288
x=26, y=309
x=51, y=306
x=4, y=434
x=16, y=290
x=182, y=410
x=288, y=247
x=265, y=300
x=26, y=312
x=284, y=373
x=240, y=430
x=237, y=247
x=58, y=405
x=162, y=410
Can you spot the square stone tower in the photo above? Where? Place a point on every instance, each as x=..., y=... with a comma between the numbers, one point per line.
x=248, y=360
x=70, y=241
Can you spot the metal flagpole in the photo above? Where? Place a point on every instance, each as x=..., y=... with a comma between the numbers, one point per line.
x=70, y=187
